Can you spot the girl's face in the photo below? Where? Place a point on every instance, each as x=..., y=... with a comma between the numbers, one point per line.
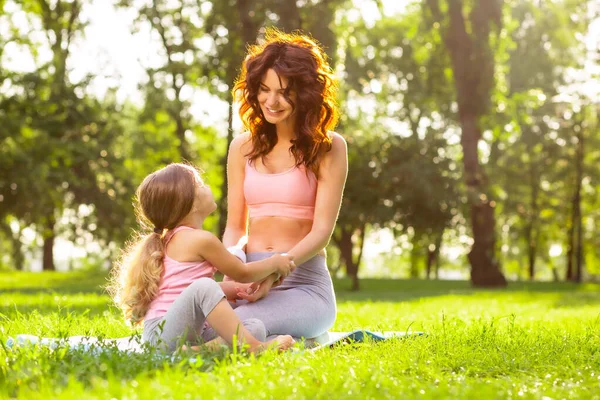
x=273, y=103
x=205, y=201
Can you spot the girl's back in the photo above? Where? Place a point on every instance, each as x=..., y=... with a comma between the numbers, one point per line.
x=177, y=276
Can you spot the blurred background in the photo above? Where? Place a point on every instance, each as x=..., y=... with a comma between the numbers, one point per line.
x=472, y=127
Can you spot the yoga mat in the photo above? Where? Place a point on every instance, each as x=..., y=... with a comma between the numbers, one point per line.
x=331, y=339
x=133, y=343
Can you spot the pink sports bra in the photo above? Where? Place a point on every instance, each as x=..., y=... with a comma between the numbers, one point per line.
x=288, y=194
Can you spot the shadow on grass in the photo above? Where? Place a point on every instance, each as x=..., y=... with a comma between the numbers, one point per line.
x=17, y=310
x=395, y=290
x=376, y=290
x=579, y=299
x=60, y=282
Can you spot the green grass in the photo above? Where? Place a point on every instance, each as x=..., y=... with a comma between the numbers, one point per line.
x=539, y=341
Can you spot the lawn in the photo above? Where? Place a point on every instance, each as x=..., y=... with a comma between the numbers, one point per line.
x=533, y=340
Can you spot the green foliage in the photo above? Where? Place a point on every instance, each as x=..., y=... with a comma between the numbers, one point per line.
x=533, y=169
x=58, y=142
x=70, y=162
x=399, y=161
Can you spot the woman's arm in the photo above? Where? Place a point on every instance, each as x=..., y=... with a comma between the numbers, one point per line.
x=332, y=178
x=237, y=211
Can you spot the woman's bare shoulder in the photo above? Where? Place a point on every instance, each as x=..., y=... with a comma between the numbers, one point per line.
x=240, y=147
x=338, y=144
x=242, y=142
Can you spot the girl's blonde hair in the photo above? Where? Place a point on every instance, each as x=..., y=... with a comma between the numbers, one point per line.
x=163, y=199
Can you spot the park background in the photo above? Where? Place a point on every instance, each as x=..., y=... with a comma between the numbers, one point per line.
x=491, y=117
x=472, y=130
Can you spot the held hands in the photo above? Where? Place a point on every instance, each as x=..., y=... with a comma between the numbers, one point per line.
x=283, y=263
x=256, y=290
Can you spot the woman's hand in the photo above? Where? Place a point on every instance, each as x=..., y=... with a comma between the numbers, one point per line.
x=284, y=263
x=231, y=289
x=277, y=280
x=256, y=290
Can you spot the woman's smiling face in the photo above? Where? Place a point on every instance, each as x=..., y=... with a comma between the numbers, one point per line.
x=273, y=103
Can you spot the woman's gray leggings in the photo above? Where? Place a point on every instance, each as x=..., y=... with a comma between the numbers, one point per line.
x=185, y=320
x=302, y=306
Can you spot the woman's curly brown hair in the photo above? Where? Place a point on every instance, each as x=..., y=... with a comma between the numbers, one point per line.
x=303, y=62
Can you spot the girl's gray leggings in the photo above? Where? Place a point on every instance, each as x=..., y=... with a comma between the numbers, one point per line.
x=185, y=320
x=302, y=306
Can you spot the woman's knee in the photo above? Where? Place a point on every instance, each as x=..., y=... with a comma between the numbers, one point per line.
x=256, y=328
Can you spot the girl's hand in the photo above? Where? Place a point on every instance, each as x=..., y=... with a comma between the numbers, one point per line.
x=256, y=290
x=283, y=263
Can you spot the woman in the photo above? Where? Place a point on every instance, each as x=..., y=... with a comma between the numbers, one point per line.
x=286, y=178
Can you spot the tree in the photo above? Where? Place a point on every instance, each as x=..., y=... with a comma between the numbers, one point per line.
x=233, y=25
x=472, y=61
x=58, y=138
x=402, y=155
x=524, y=133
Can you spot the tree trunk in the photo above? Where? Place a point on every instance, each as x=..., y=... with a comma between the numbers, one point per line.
x=223, y=202
x=485, y=271
x=249, y=31
x=48, y=249
x=473, y=70
x=289, y=15
x=569, y=275
x=575, y=234
x=176, y=108
x=346, y=246
x=184, y=152
x=579, y=222
x=433, y=256
x=16, y=251
x=430, y=260
x=531, y=255
x=414, y=257
x=532, y=223
x=249, y=26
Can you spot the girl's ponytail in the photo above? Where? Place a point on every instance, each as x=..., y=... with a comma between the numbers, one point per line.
x=136, y=277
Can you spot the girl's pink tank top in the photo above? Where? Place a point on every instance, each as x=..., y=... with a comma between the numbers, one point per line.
x=175, y=278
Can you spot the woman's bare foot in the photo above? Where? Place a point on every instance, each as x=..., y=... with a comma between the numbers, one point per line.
x=281, y=343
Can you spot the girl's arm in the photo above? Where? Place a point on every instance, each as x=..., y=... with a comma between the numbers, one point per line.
x=211, y=249
x=332, y=178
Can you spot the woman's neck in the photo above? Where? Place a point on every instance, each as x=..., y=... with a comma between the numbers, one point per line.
x=285, y=131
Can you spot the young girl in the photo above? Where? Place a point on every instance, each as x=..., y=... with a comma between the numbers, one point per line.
x=166, y=279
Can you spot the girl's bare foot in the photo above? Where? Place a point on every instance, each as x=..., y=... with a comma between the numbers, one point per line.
x=281, y=343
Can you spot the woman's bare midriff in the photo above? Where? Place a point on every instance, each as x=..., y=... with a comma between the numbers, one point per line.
x=276, y=234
